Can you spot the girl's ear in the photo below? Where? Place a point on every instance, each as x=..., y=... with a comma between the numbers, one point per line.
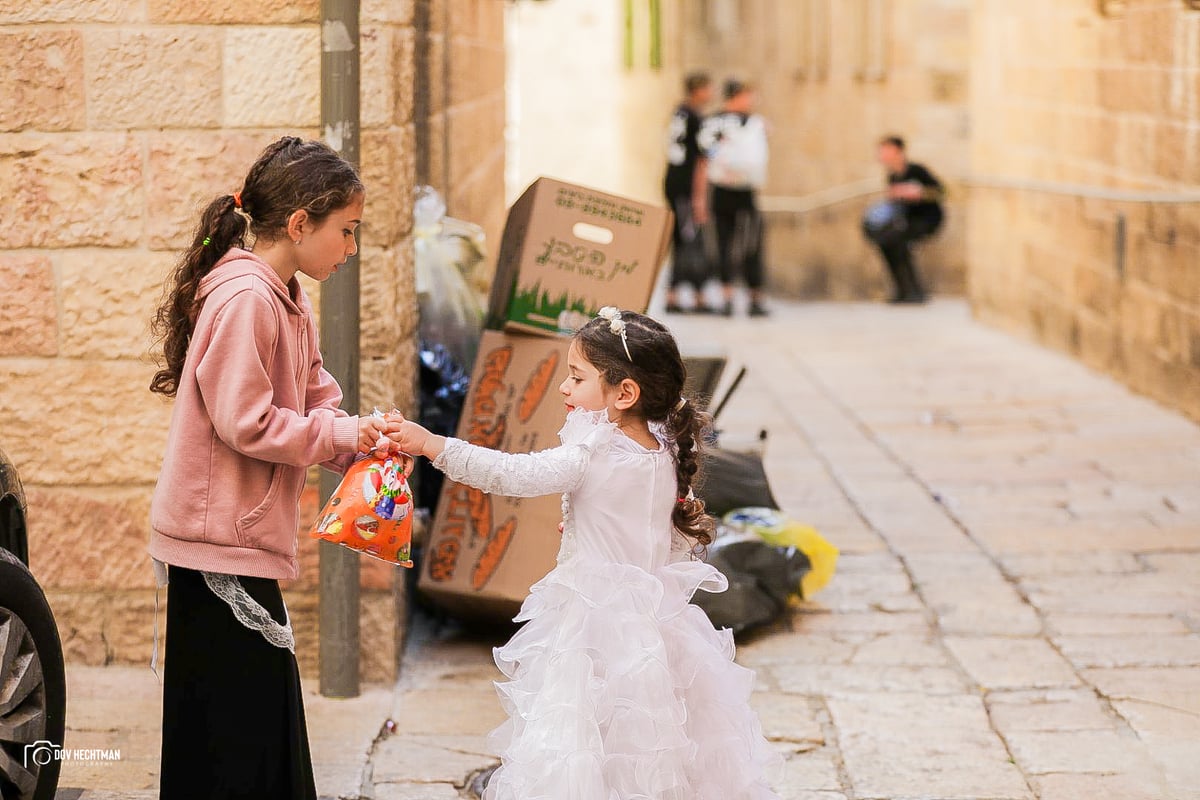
x=628, y=394
x=296, y=224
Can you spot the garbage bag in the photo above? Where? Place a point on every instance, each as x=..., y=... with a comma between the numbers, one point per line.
x=777, y=529
x=761, y=579
x=733, y=480
x=442, y=390
x=451, y=311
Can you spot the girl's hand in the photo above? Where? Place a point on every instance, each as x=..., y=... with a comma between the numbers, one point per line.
x=371, y=428
x=412, y=438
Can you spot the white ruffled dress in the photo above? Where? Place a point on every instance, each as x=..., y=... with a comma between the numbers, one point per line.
x=618, y=688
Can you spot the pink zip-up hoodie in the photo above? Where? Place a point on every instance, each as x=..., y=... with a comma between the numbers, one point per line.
x=253, y=410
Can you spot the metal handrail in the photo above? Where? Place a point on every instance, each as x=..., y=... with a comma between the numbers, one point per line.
x=867, y=187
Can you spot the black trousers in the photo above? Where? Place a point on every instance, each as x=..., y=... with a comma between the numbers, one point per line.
x=689, y=261
x=739, y=237
x=897, y=254
x=233, y=712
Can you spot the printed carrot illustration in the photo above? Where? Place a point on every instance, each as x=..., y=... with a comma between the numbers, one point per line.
x=480, y=513
x=538, y=385
x=493, y=554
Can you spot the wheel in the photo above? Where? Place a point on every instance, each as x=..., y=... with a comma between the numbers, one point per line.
x=32, y=687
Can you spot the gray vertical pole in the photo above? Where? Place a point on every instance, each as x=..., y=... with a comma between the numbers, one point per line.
x=339, y=592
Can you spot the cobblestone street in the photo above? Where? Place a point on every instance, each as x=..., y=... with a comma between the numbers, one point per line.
x=1016, y=612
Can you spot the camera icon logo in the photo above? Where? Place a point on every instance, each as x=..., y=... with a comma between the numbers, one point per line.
x=41, y=753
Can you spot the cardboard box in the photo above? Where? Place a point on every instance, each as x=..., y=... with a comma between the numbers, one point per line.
x=568, y=251
x=485, y=551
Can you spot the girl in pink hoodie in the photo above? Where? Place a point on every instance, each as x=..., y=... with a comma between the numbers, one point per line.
x=254, y=408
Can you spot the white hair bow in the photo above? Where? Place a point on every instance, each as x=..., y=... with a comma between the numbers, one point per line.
x=617, y=326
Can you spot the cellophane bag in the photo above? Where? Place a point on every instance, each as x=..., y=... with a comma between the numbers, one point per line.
x=371, y=511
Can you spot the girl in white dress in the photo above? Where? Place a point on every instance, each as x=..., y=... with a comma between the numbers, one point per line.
x=617, y=687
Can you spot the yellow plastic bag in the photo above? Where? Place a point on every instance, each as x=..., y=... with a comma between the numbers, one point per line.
x=776, y=529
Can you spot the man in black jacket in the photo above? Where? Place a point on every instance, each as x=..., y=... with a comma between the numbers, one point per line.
x=919, y=194
x=687, y=190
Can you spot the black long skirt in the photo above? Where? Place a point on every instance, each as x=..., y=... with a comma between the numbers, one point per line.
x=233, y=712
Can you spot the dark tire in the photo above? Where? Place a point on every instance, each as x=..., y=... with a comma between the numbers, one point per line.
x=33, y=690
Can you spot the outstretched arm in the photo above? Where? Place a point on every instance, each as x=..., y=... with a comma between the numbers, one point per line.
x=510, y=474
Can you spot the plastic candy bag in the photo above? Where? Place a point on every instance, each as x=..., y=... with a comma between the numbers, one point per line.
x=372, y=509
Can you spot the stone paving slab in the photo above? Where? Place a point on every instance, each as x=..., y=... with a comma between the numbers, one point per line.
x=1015, y=615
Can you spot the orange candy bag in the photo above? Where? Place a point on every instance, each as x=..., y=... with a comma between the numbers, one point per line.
x=372, y=510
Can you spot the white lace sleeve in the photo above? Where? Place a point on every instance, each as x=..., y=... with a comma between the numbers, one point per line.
x=514, y=474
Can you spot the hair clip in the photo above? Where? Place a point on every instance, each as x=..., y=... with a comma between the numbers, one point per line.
x=206, y=242
x=617, y=326
x=237, y=199
x=679, y=406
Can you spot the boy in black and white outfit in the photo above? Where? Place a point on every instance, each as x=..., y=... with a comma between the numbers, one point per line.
x=735, y=144
x=686, y=189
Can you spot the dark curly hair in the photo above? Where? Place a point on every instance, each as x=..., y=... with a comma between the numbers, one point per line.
x=291, y=174
x=655, y=365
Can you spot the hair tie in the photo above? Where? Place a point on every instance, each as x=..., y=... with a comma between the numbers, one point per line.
x=237, y=199
x=207, y=241
x=617, y=326
x=679, y=406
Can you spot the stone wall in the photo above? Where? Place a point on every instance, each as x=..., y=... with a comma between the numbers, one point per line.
x=834, y=76
x=584, y=114
x=459, y=87
x=123, y=118
x=1065, y=95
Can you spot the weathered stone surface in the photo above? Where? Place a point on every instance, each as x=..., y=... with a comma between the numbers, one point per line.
x=378, y=60
x=1053, y=710
x=153, y=78
x=1174, y=687
x=43, y=81
x=210, y=12
x=108, y=299
x=1107, y=625
x=379, y=331
x=22, y=11
x=291, y=56
x=1173, y=738
x=451, y=711
x=445, y=790
x=1088, y=786
x=902, y=650
x=388, y=169
x=394, y=11
x=28, y=310
x=1011, y=663
x=105, y=627
x=834, y=680
x=187, y=170
x=70, y=190
x=83, y=539
x=915, y=745
x=788, y=718
x=104, y=404
x=378, y=632
x=812, y=771
x=1045, y=752
x=1131, y=651
x=407, y=759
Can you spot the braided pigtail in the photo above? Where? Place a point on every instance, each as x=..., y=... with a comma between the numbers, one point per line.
x=687, y=428
x=220, y=229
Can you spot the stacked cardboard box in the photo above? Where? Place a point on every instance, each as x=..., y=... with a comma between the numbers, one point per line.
x=566, y=252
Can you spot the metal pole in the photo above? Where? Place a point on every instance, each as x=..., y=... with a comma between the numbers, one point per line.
x=339, y=592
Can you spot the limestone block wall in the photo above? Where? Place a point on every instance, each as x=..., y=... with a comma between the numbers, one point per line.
x=123, y=118
x=460, y=107
x=1064, y=94
x=834, y=76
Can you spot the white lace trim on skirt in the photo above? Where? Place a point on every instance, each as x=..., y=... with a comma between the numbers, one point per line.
x=249, y=611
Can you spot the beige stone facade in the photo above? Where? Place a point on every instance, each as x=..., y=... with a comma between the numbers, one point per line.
x=1105, y=109
x=123, y=118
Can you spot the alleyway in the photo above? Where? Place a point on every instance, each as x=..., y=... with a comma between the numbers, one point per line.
x=1016, y=612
